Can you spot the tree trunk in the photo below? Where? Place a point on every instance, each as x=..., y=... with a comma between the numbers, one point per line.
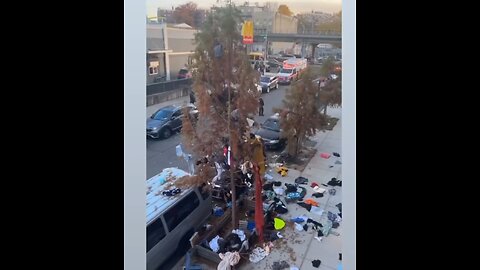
x=232, y=178
x=292, y=146
x=325, y=110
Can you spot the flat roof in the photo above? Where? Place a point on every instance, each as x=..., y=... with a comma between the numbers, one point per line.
x=156, y=202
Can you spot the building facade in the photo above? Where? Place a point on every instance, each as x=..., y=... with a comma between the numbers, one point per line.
x=168, y=50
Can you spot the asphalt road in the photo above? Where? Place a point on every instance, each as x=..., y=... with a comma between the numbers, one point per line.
x=161, y=153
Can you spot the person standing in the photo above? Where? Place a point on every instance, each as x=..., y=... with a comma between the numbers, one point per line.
x=192, y=96
x=260, y=110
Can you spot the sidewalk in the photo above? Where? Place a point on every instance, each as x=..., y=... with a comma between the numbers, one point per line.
x=300, y=248
x=177, y=101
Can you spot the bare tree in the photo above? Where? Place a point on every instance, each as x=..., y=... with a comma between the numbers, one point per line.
x=226, y=96
x=300, y=115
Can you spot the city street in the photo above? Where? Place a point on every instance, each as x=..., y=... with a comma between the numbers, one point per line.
x=161, y=153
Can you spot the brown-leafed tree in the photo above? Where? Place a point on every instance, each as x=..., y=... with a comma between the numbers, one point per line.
x=300, y=114
x=332, y=26
x=285, y=10
x=225, y=95
x=331, y=93
x=185, y=13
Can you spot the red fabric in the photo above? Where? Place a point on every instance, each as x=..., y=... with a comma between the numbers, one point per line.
x=314, y=184
x=325, y=155
x=259, y=219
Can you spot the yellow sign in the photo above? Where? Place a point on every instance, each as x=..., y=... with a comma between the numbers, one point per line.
x=247, y=32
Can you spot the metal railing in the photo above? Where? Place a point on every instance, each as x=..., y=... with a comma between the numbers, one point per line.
x=160, y=87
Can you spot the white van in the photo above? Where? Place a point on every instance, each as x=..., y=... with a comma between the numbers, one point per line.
x=172, y=220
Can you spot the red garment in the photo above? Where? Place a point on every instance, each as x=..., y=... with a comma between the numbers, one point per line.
x=314, y=184
x=259, y=219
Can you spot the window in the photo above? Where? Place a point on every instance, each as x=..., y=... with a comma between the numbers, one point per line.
x=177, y=114
x=155, y=233
x=153, y=68
x=181, y=210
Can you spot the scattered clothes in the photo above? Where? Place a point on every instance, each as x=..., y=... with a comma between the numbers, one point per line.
x=305, y=227
x=319, y=189
x=325, y=155
x=279, y=235
x=268, y=176
x=335, y=225
x=339, y=206
x=257, y=255
x=299, y=219
x=336, y=154
x=245, y=246
x=313, y=184
x=318, y=238
x=338, y=162
x=240, y=234
x=270, y=236
x=293, y=196
x=316, y=210
x=332, y=191
x=319, y=233
x=277, y=183
x=340, y=214
x=340, y=256
x=335, y=182
x=311, y=202
x=331, y=216
x=317, y=195
x=233, y=242
x=324, y=185
x=304, y=205
x=301, y=180
x=279, y=191
x=290, y=187
x=278, y=206
x=228, y=259
x=338, y=218
x=280, y=265
x=218, y=211
x=314, y=222
x=213, y=244
x=268, y=186
x=282, y=170
x=298, y=227
x=171, y=192
x=326, y=228
x=278, y=223
x=316, y=263
x=331, y=166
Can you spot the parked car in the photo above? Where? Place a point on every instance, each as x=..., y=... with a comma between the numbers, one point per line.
x=184, y=74
x=167, y=120
x=270, y=132
x=268, y=82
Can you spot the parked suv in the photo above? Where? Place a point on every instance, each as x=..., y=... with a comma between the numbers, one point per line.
x=166, y=120
x=268, y=83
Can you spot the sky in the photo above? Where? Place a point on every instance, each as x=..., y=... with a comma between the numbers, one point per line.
x=297, y=6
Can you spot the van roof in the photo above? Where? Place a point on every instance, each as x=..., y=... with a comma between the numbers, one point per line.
x=156, y=202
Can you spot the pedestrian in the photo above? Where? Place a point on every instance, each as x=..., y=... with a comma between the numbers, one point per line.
x=192, y=97
x=260, y=110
